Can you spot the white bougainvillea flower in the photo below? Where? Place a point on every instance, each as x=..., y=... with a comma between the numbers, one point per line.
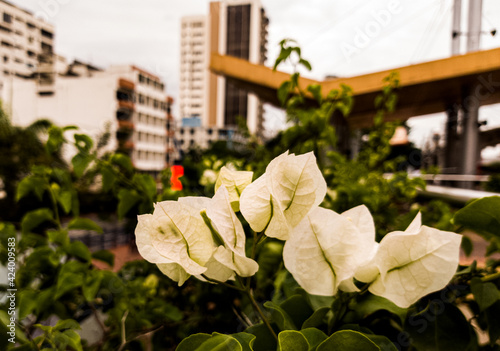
x=235, y=182
x=282, y=197
x=325, y=249
x=231, y=252
x=176, y=238
x=411, y=264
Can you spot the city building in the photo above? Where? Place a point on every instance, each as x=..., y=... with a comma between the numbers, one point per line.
x=233, y=27
x=129, y=102
x=26, y=49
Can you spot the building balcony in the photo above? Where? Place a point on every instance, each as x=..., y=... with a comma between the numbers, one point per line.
x=123, y=104
x=126, y=84
x=126, y=125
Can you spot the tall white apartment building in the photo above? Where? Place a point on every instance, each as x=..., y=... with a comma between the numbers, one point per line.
x=233, y=27
x=193, y=93
x=26, y=49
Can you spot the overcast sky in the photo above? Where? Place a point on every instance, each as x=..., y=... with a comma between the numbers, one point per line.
x=147, y=33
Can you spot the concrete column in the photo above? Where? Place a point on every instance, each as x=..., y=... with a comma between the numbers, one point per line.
x=451, y=164
x=456, y=27
x=471, y=150
x=474, y=25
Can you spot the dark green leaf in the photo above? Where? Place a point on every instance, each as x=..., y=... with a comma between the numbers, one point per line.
x=297, y=308
x=72, y=339
x=147, y=184
x=83, y=142
x=31, y=184
x=315, y=90
x=92, y=284
x=291, y=340
x=348, y=340
x=481, y=215
x=71, y=276
x=27, y=302
x=80, y=163
x=64, y=198
x=280, y=317
x=306, y=64
x=264, y=341
x=192, y=342
x=66, y=324
x=173, y=313
x=485, y=294
x=246, y=340
x=104, y=256
x=85, y=224
x=382, y=342
x=33, y=219
x=467, y=245
x=108, y=178
x=123, y=161
x=127, y=199
x=316, y=319
x=368, y=304
x=283, y=92
x=441, y=326
x=79, y=250
x=314, y=337
x=492, y=314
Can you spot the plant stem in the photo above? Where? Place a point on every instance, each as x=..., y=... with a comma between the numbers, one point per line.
x=490, y=277
x=56, y=209
x=261, y=314
x=223, y=283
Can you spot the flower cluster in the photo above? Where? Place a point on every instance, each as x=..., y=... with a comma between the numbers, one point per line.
x=324, y=251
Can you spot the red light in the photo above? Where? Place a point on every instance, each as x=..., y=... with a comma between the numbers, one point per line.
x=177, y=172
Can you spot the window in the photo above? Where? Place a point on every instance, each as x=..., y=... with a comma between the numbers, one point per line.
x=7, y=18
x=6, y=59
x=31, y=39
x=46, y=34
x=141, y=99
x=30, y=25
x=30, y=53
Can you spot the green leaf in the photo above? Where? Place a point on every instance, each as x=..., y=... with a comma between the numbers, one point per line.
x=92, y=284
x=316, y=319
x=58, y=236
x=123, y=161
x=305, y=63
x=55, y=140
x=481, y=215
x=31, y=184
x=108, y=179
x=492, y=314
x=83, y=142
x=85, y=224
x=71, y=339
x=127, y=199
x=192, y=342
x=173, y=313
x=104, y=256
x=246, y=340
x=485, y=294
x=280, y=317
x=441, y=326
x=283, y=92
x=383, y=342
x=348, y=340
x=66, y=324
x=147, y=184
x=368, y=304
x=315, y=90
x=291, y=340
x=217, y=342
x=33, y=219
x=64, y=198
x=467, y=245
x=297, y=308
x=264, y=340
x=27, y=303
x=80, y=163
x=314, y=337
x=79, y=250
x=71, y=276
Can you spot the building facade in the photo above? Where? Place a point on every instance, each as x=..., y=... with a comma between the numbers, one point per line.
x=233, y=27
